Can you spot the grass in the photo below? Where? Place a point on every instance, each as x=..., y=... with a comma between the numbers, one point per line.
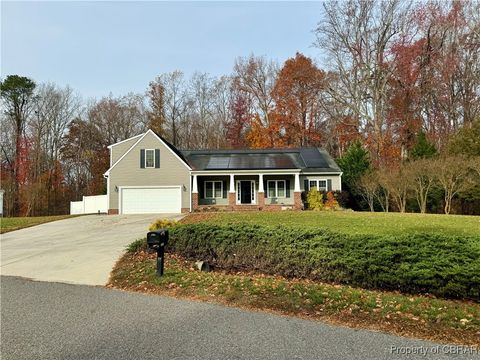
x=420, y=316
x=352, y=222
x=16, y=223
x=416, y=316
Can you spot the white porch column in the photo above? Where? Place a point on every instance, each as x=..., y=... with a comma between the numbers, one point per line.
x=232, y=184
x=195, y=185
x=297, y=183
x=260, y=183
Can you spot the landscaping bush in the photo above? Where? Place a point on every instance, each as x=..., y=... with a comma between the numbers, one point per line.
x=315, y=199
x=137, y=245
x=443, y=265
x=162, y=224
x=331, y=203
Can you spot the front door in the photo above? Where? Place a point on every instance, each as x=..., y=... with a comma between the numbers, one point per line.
x=246, y=192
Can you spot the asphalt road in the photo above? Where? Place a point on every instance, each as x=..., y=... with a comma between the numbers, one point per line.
x=41, y=320
x=80, y=250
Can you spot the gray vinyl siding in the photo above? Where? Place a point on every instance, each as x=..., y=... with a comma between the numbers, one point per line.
x=118, y=150
x=172, y=171
x=336, y=180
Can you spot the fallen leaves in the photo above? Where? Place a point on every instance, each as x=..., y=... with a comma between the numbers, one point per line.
x=425, y=317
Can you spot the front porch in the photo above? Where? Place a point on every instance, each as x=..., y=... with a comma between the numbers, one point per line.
x=247, y=191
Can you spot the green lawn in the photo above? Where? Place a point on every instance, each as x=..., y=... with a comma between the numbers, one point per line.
x=16, y=223
x=353, y=222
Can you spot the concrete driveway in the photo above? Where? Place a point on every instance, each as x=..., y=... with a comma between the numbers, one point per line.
x=80, y=250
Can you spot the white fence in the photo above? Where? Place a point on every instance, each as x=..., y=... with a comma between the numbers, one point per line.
x=90, y=205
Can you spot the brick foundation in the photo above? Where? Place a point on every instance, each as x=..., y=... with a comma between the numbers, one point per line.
x=185, y=210
x=232, y=200
x=112, y=211
x=194, y=201
x=232, y=204
x=278, y=207
x=297, y=200
x=261, y=199
x=245, y=207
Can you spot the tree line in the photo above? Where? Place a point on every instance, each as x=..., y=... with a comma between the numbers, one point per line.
x=391, y=72
x=428, y=181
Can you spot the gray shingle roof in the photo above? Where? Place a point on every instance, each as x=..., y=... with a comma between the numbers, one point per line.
x=306, y=159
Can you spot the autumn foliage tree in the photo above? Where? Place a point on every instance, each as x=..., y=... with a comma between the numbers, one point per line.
x=17, y=97
x=156, y=114
x=297, y=95
x=398, y=82
x=239, y=121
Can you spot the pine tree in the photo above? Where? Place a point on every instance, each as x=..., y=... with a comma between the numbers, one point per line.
x=423, y=149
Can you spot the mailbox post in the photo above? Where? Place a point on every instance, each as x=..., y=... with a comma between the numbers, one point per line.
x=157, y=240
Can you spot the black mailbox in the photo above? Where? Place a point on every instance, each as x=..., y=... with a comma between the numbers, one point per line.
x=157, y=240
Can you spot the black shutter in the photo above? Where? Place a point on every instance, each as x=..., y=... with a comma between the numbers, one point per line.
x=305, y=185
x=265, y=188
x=224, y=189
x=157, y=158
x=287, y=186
x=329, y=185
x=142, y=158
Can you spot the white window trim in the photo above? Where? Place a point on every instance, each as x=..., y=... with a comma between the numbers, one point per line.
x=317, y=180
x=150, y=167
x=253, y=190
x=213, y=189
x=276, y=189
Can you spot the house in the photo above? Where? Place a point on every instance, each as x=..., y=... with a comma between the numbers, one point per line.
x=149, y=175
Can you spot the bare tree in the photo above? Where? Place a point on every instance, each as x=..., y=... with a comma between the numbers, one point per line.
x=118, y=118
x=176, y=103
x=422, y=175
x=398, y=185
x=357, y=35
x=256, y=76
x=54, y=109
x=199, y=128
x=454, y=176
x=383, y=176
x=369, y=187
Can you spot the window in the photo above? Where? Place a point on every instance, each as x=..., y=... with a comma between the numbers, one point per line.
x=320, y=185
x=213, y=189
x=276, y=188
x=149, y=158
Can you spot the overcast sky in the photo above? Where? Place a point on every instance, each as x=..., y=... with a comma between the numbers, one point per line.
x=118, y=47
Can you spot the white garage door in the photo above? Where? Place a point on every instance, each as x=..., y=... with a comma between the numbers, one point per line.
x=151, y=200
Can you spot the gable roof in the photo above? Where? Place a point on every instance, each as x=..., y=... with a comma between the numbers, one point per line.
x=169, y=146
x=121, y=142
x=305, y=159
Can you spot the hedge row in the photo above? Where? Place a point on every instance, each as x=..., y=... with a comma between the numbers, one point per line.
x=446, y=266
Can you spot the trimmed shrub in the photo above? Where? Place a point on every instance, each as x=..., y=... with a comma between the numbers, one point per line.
x=331, y=203
x=315, y=199
x=162, y=224
x=446, y=266
x=137, y=245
